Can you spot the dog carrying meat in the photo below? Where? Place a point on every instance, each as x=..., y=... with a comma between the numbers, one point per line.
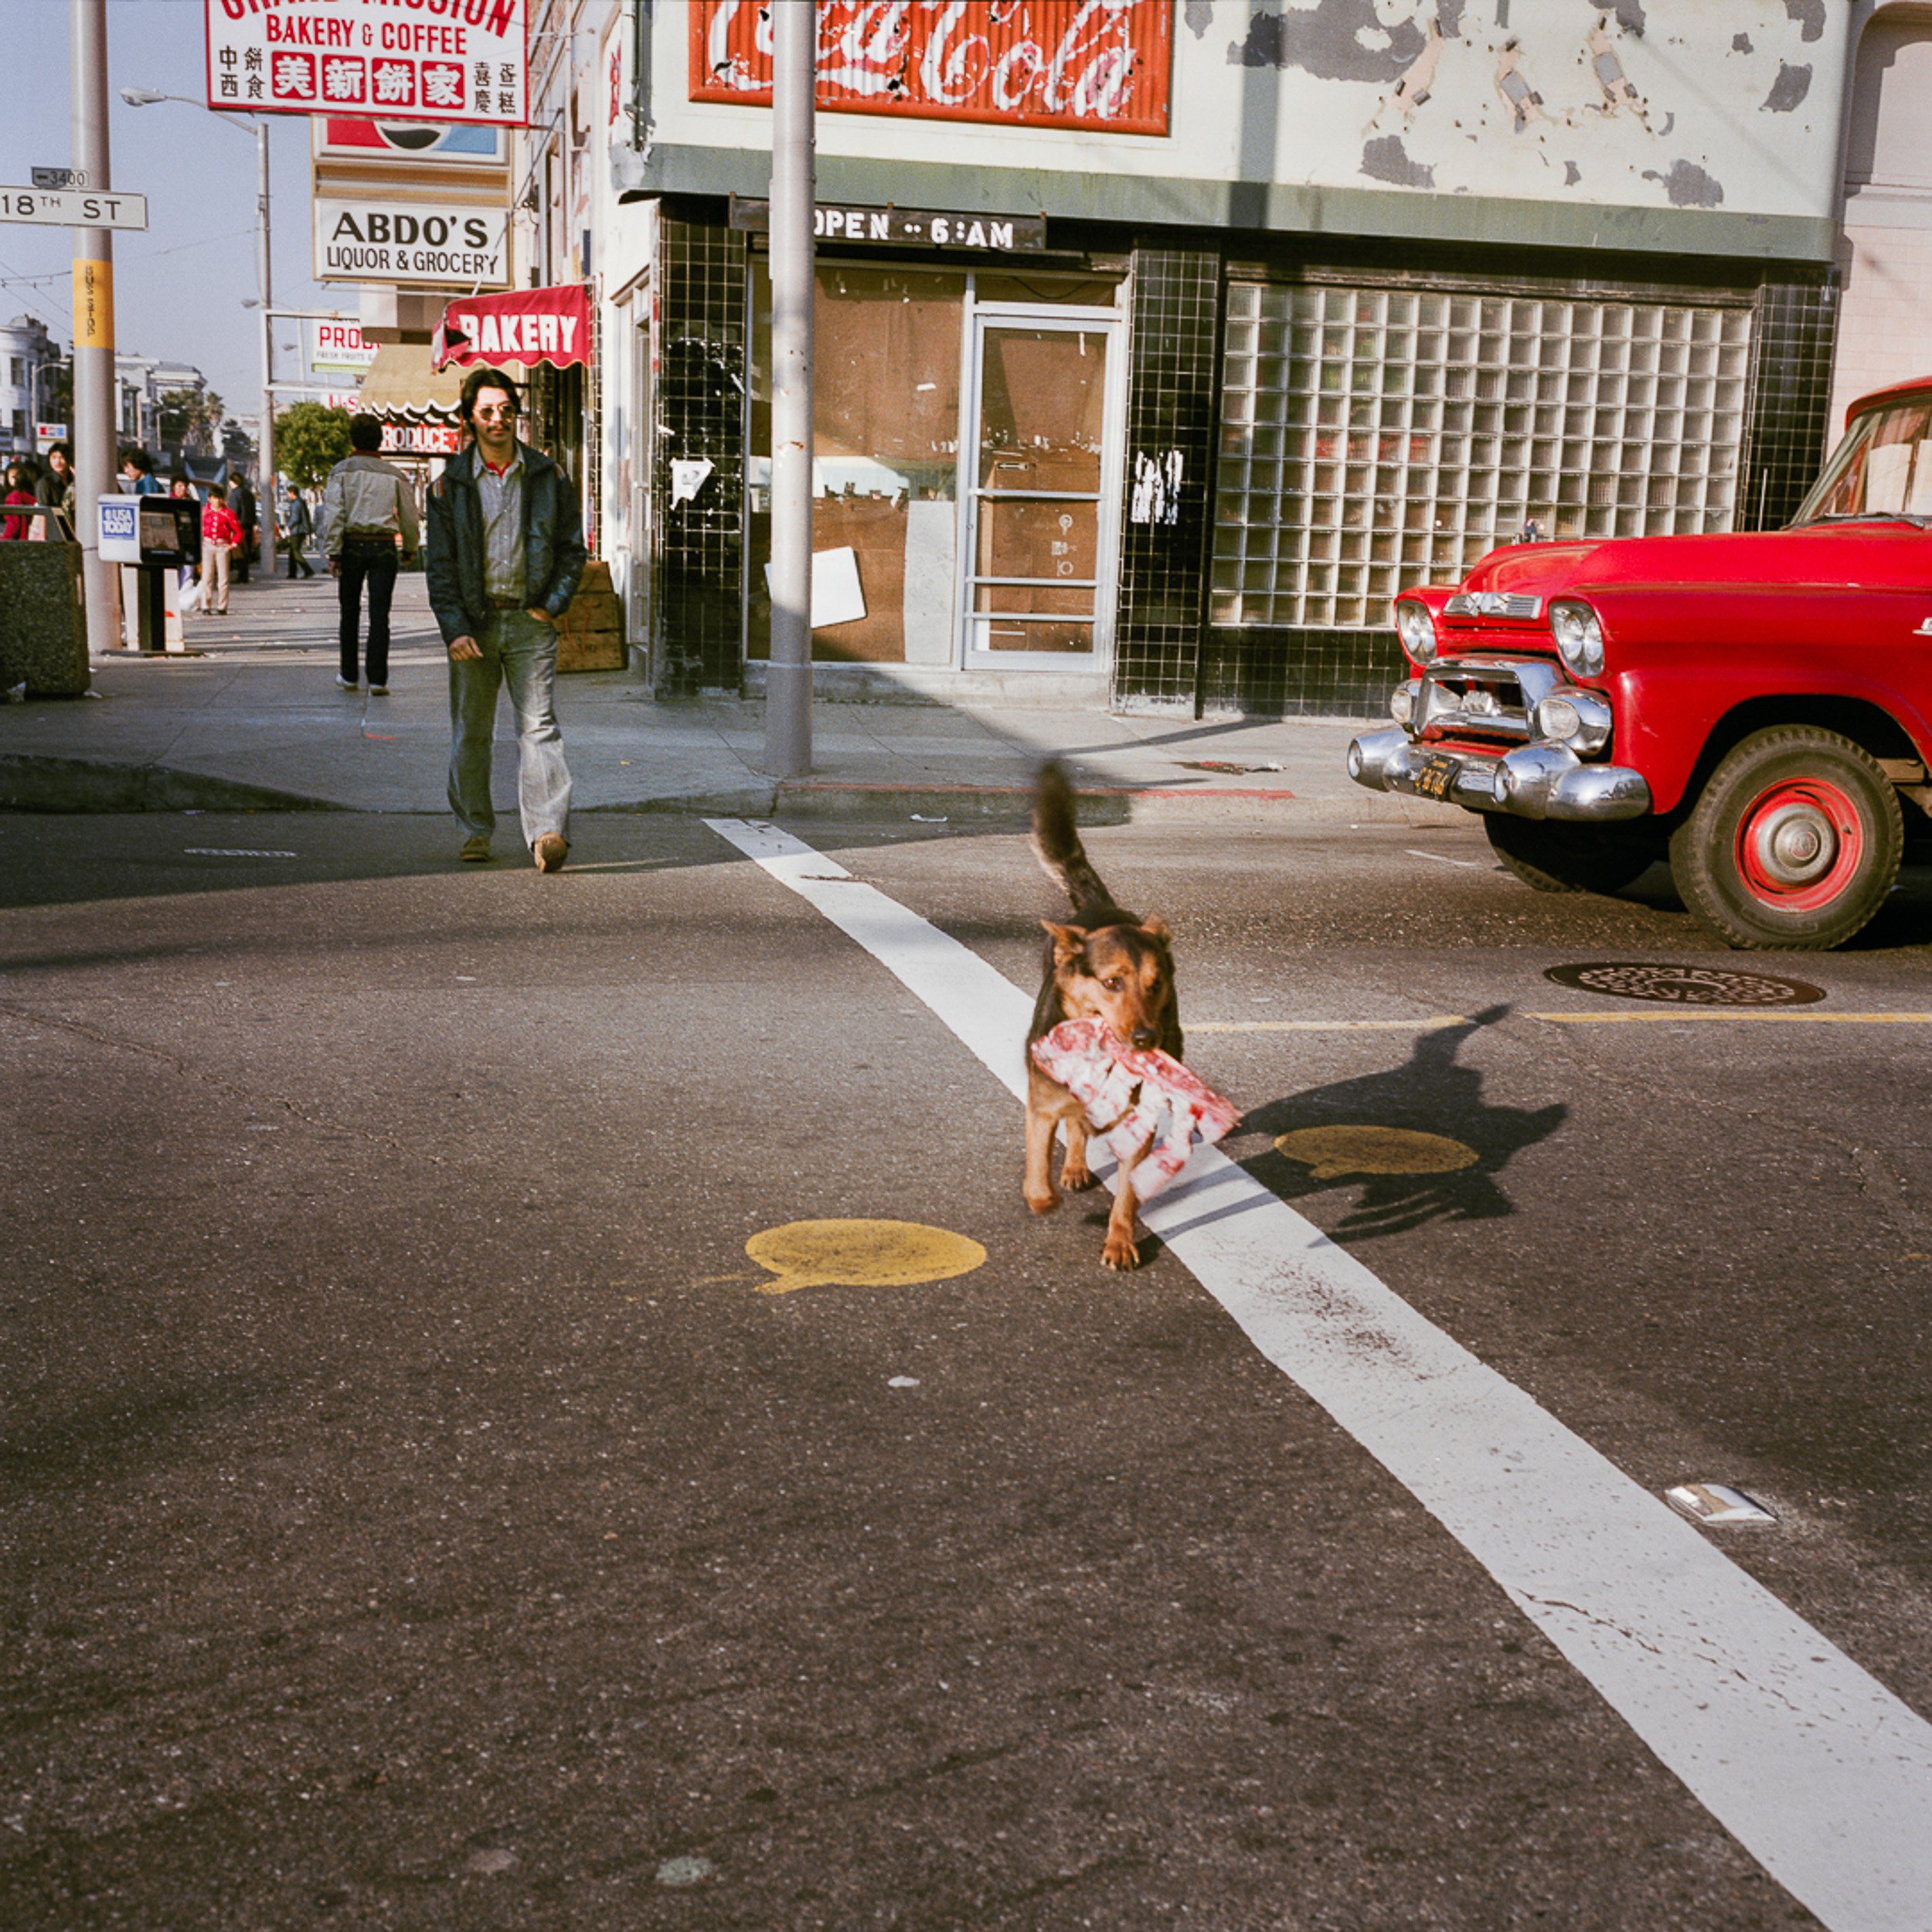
x=1103, y=1049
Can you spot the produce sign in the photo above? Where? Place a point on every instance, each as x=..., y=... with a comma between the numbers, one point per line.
x=436, y=60
x=1102, y=65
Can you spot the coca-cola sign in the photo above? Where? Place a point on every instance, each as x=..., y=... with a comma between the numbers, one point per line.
x=1098, y=64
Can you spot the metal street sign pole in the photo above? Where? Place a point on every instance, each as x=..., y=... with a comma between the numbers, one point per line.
x=788, y=674
x=93, y=321
x=265, y=505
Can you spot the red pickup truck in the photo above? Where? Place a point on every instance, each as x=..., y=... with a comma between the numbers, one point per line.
x=1758, y=708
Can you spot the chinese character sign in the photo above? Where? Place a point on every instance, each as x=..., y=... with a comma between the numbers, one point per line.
x=1101, y=65
x=436, y=60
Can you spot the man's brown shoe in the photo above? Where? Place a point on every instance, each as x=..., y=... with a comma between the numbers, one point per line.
x=550, y=850
x=475, y=850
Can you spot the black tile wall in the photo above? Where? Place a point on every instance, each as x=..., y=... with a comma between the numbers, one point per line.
x=1173, y=411
x=1785, y=439
x=700, y=413
x=1300, y=673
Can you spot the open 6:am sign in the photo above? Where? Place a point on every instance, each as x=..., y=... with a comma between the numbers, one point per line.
x=460, y=60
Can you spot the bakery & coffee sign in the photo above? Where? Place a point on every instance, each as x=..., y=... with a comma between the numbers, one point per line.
x=1101, y=65
x=428, y=60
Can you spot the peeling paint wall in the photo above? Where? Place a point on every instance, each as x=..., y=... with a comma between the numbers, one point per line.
x=1729, y=104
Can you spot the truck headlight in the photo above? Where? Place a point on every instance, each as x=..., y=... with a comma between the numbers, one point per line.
x=1580, y=637
x=1580, y=719
x=1416, y=629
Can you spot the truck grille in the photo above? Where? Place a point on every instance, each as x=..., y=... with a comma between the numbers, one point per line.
x=1483, y=697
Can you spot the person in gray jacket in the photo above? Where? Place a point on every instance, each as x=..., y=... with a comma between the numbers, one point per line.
x=367, y=511
x=504, y=551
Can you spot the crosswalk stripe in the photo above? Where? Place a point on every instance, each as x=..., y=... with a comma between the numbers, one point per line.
x=1814, y=1766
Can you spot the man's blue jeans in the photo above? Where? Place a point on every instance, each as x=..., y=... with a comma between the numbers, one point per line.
x=520, y=652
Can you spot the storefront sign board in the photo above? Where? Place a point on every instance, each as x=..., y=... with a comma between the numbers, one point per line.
x=442, y=243
x=1101, y=65
x=914, y=227
x=340, y=346
x=421, y=439
x=527, y=325
x=463, y=60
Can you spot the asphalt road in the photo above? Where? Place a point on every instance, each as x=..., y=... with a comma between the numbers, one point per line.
x=418, y=1516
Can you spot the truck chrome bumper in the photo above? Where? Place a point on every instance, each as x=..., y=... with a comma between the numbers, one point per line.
x=1539, y=780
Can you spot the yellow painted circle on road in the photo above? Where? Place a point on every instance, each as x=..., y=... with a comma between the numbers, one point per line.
x=860, y=1254
x=1333, y=1152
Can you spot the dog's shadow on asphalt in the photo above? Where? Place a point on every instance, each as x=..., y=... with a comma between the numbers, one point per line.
x=1418, y=1140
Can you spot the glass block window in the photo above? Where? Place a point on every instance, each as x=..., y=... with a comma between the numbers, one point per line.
x=1374, y=437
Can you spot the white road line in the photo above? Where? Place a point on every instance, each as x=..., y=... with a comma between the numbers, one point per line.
x=1814, y=1766
x=1443, y=859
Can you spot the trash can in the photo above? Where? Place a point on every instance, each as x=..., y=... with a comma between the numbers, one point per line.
x=43, y=612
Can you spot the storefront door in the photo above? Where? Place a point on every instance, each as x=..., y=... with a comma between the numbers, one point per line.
x=1043, y=492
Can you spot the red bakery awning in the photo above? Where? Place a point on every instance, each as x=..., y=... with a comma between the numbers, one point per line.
x=527, y=325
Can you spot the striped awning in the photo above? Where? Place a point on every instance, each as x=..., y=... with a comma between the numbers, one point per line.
x=402, y=386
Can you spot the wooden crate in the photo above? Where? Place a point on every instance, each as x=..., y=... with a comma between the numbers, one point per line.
x=590, y=634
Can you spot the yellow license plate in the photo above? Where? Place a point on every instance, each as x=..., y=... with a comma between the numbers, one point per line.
x=1438, y=774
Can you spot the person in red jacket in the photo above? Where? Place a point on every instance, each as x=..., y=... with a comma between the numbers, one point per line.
x=220, y=533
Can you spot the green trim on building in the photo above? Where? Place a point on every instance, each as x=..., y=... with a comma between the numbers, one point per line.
x=1278, y=207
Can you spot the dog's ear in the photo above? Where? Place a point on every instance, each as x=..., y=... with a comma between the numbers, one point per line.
x=1069, y=942
x=1156, y=928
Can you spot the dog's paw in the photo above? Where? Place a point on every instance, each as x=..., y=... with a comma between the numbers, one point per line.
x=1076, y=1177
x=1042, y=1203
x=1120, y=1252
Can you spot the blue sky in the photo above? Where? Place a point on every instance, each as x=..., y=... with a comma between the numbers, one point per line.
x=178, y=287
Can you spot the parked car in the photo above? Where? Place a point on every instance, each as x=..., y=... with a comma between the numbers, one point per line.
x=1757, y=708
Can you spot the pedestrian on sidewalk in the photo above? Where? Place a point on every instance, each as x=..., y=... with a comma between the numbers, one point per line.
x=22, y=476
x=367, y=512
x=138, y=477
x=241, y=500
x=55, y=488
x=297, y=527
x=504, y=552
x=220, y=533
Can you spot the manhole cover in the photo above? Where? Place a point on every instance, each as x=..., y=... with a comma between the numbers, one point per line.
x=1685, y=985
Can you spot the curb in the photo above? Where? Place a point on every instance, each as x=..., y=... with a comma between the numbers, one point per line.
x=30, y=782
x=795, y=799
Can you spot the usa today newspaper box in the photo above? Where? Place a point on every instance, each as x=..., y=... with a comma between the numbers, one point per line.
x=156, y=535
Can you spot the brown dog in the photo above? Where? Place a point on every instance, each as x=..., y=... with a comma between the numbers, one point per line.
x=1104, y=963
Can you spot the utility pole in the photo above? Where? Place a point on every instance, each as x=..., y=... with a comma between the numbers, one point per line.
x=93, y=321
x=788, y=676
x=265, y=494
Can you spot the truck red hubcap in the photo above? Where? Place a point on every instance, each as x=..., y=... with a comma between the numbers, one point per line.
x=1799, y=845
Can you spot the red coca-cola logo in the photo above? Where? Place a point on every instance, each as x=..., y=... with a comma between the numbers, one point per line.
x=1098, y=64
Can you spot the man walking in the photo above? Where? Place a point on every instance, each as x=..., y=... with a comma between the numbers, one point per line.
x=505, y=553
x=297, y=527
x=366, y=511
x=241, y=500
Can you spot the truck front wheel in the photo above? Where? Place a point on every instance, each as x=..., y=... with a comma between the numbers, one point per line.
x=1565, y=858
x=1794, y=842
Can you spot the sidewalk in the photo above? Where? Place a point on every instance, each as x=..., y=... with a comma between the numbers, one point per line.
x=254, y=720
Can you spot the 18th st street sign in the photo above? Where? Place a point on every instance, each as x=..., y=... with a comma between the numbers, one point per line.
x=74, y=207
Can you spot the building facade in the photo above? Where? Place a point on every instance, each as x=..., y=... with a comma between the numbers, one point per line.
x=1158, y=346
x=28, y=357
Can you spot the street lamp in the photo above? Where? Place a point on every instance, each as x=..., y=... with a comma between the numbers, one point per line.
x=147, y=98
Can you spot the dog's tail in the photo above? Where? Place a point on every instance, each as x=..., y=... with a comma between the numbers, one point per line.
x=1056, y=843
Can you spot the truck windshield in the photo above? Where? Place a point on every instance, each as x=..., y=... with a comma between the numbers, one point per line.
x=1882, y=470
